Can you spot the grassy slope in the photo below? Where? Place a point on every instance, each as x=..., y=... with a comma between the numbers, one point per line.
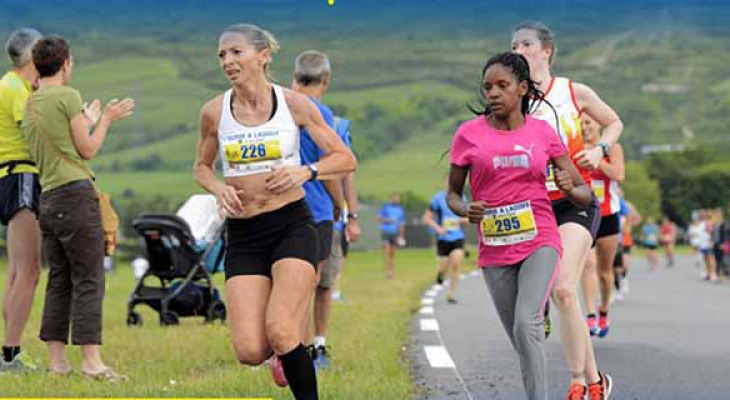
x=367, y=335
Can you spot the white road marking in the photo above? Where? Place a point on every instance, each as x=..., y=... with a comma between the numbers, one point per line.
x=429, y=325
x=439, y=357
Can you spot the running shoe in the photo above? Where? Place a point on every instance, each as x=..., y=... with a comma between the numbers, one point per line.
x=603, y=323
x=602, y=389
x=593, y=328
x=21, y=364
x=625, y=286
x=576, y=392
x=322, y=361
x=440, y=278
x=451, y=300
x=277, y=371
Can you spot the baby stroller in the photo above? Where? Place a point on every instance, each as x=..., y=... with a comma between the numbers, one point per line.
x=183, y=251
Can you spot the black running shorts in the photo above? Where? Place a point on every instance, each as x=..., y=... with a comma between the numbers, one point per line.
x=565, y=211
x=444, y=248
x=17, y=192
x=324, y=236
x=609, y=226
x=253, y=245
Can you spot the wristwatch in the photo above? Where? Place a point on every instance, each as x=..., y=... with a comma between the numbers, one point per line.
x=605, y=148
x=314, y=170
x=352, y=216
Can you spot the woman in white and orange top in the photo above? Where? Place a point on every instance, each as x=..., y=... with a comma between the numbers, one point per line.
x=598, y=271
x=564, y=102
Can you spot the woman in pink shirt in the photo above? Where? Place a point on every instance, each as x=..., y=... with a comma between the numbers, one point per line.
x=505, y=153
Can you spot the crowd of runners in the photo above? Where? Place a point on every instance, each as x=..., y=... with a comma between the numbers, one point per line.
x=542, y=158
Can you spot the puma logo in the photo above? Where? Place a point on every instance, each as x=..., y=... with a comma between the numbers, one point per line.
x=519, y=147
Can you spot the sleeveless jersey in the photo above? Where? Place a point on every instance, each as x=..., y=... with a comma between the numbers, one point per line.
x=567, y=125
x=606, y=191
x=247, y=150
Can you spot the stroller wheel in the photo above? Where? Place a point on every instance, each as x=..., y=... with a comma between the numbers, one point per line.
x=169, y=318
x=216, y=310
x=134, y=319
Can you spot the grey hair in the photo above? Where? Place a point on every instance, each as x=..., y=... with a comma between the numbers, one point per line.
x=260, y=39
x=311, y=68
x=544, y=35
x=19, y=46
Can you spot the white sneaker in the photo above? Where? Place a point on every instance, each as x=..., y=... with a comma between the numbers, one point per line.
x=625, y=286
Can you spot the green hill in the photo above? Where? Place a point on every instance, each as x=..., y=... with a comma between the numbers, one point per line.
x=404, y=84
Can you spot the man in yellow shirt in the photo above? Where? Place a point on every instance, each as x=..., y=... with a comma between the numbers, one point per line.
x=19, y=196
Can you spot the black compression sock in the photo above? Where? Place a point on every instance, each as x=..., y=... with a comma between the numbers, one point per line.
x=299, y=371
x=9, y=353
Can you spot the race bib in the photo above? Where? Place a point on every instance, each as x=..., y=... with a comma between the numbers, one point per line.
x=452, y=224
x=599, y=189
x=550, y=180
x=507, y=225
x=252, y=151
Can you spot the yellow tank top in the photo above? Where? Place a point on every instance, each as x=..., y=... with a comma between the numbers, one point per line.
x=14, y=92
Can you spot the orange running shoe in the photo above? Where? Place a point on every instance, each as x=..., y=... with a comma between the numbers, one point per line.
x=576, y=392
x=601, y=389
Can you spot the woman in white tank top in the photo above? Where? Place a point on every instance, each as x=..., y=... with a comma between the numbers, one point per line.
x=536, y=42
x=254, y=128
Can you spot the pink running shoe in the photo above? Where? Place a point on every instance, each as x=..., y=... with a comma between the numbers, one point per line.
x=277, y=371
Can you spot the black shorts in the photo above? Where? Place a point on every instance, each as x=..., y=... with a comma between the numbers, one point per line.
x=18, y=191
x=324, y=236
x=650, y=246
x=444, y=248
x=609, y=226
x=345, y=244
x=253, y=245
x=618, y=260
x=565, y=211
x=627, y=249
x=390, y=238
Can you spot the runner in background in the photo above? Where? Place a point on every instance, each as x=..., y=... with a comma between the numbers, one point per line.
x=348, y=225
x=598, y=272
x=393, y=230
x=565, y=101
x=449, y=241
x=650, y=237
x=668, y=233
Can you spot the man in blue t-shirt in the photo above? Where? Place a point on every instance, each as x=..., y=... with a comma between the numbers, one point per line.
x=311, y=78
x=450, y=241
x=393, y=230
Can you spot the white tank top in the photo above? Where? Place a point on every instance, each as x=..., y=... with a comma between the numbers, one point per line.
x=248, y=150
x=567, y=124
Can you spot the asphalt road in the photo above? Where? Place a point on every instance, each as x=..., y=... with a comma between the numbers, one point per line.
x=669, y=339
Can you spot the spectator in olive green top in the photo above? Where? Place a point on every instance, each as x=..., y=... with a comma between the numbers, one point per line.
x=57, y=125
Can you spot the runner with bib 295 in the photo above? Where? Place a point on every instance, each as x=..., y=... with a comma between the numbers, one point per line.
x=504, y=152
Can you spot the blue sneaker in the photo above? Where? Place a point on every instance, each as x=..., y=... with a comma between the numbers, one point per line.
x=322, y=361
x=603, y=324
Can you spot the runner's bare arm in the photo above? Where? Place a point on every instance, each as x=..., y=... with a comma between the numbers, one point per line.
x=615, y=168
x=204, y=167
x=334, y=189
x=455, y=190
x=605, y=116
x=338, y=160
x=570, y=182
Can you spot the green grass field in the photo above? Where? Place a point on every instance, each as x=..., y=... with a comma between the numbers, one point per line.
x=368, y=334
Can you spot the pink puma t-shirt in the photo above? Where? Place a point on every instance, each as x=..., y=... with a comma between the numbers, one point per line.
x=507, y=168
